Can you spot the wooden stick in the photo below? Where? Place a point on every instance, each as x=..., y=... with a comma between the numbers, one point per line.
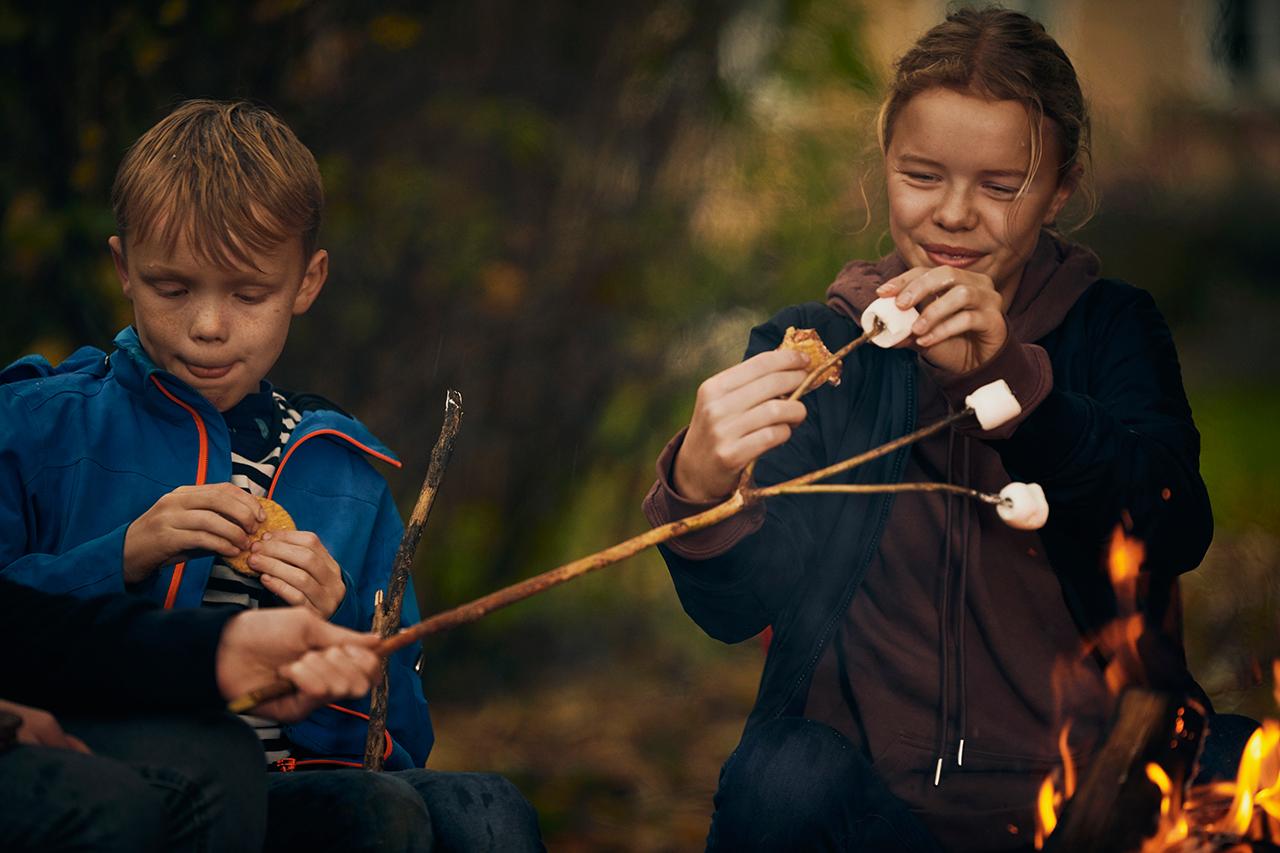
x=387, y=611
x=875, y=488
x=474, y=610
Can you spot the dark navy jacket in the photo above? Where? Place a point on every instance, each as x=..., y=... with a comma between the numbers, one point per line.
x=1113, y=439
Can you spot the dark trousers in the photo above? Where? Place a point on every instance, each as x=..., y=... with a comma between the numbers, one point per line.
x=155, y=783
x=404, y=810
x=793, y=784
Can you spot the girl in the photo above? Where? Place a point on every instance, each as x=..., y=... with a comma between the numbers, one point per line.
x=925, y=656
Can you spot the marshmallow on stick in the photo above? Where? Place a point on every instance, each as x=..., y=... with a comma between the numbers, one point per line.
x=897, y=322
x=1023, y=506
x=994, y=404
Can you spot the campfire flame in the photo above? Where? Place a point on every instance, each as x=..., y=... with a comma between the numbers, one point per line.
x=1215, y=816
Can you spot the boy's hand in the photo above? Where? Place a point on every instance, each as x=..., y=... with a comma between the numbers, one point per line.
x=295, y=565
x=40, y=728
x=324, y=661
x=217, y=517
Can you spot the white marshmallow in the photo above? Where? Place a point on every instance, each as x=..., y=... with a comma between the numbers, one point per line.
x=994, y=404
x=1023, y=506
x=897, y=323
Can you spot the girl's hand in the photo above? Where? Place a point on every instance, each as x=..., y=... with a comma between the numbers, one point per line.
x=297, y=567
x=738, y=415
x=961, y=325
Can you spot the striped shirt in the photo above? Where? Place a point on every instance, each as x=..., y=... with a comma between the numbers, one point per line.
x=259, y=427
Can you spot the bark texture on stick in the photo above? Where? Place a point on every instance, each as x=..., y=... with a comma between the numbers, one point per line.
x=388, y=608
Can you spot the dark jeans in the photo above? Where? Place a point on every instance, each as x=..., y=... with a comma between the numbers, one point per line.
x=155, y=783
x=793, y=784
x=404, y=810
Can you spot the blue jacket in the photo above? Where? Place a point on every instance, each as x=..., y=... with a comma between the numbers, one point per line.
x=87, y=447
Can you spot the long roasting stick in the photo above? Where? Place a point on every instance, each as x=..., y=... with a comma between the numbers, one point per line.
x=387, y=615
x=736, y=502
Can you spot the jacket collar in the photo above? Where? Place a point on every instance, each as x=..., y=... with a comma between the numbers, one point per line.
x=134, y=370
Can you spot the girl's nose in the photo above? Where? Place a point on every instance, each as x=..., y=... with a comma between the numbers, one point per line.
x=954, y=211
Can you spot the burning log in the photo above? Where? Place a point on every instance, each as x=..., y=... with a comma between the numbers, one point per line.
x=1118, y=804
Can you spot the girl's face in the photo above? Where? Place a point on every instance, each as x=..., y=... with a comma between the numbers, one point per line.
x=954, y=165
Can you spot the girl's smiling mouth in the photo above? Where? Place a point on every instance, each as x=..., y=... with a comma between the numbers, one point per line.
x=951, y=256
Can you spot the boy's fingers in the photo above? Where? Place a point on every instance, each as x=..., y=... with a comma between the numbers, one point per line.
x=230, y=501
x=211, y=523
x=286, y=591
x=319, y=633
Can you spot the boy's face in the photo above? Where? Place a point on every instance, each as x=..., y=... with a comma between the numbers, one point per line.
x=219, y=330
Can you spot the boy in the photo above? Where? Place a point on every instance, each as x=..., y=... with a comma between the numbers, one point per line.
x=138, y=470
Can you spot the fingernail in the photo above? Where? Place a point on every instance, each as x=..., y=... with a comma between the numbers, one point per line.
x=902, y=300
x=265, y=537
x=884, y=288
x=917, y=327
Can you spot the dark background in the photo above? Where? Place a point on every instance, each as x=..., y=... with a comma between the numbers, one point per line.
x=572, y=213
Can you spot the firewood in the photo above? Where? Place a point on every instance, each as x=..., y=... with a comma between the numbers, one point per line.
x=1117, y=806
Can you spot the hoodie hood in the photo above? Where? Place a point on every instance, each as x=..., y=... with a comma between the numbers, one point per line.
x=1056, y=275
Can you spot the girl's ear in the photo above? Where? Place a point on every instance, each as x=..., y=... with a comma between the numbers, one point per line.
x=1066, y=188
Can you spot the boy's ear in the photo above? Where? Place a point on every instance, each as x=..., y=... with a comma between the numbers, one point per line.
x=1066, y=188
x=312, y=281
x=122, y=268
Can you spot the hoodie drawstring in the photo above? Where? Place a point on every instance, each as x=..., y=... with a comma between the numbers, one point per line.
x=960, y=610
x=944, y=683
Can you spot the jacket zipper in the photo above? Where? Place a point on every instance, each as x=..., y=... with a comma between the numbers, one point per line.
x=202, y=470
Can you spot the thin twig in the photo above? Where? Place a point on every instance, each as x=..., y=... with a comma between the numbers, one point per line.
x=810, y=382
x=736, y=502
x=873, y=489
x=387, y=610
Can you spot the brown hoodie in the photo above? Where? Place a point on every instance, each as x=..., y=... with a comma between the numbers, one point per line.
x=956, y=629
x=959, y=633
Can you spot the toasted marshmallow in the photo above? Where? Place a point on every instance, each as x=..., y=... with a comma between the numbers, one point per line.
x=897, y=323
x=1023, y=506
x=994, y=404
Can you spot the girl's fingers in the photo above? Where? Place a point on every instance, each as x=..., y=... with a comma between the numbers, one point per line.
x=957, y=299
x=743, y=373
x=953, y=326
x=767, y=414
x=769, y=387
x=755, y=444
x=898, y=282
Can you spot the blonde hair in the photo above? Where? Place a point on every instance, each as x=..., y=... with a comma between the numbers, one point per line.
x=230, y=176
x=1005, y=56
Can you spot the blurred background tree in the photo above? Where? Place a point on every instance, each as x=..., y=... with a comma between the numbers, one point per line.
x=573, y=213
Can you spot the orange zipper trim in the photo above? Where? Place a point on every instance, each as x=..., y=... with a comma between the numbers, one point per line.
x=202, y=470
x=386, y=734
x=340, y=434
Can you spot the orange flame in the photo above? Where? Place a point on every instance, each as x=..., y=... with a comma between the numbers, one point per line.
x=1068, y=766
x=1126, y=557
x=1046, y=811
